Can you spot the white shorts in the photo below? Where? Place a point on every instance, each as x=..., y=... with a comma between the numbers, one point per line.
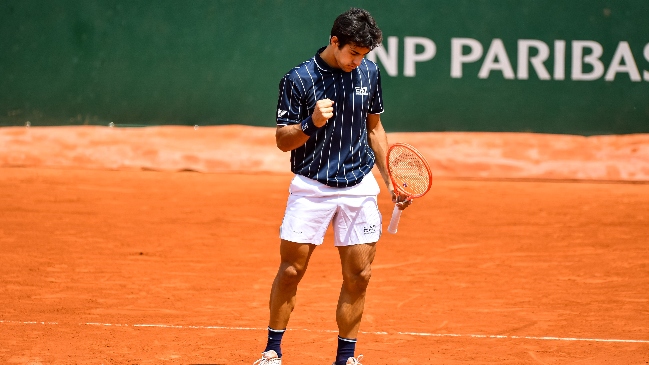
x=356, y=218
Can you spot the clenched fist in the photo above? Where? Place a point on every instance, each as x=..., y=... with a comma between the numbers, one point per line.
x=324, y=109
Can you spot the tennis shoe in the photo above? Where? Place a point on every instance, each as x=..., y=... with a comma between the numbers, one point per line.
x=353, y=361
x=269, y=358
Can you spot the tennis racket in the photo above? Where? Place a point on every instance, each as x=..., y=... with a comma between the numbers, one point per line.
x=410, y=176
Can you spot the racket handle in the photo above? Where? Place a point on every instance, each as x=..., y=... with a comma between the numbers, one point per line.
x=394, y=222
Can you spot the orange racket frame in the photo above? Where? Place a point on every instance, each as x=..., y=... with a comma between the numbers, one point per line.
x=420, y=171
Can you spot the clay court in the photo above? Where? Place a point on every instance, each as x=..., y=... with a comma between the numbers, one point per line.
x=126, y=265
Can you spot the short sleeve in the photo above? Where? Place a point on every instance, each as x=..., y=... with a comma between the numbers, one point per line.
x=289, y=103
x=376, y=104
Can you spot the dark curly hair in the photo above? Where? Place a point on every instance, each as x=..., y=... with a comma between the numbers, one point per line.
x=358, y=27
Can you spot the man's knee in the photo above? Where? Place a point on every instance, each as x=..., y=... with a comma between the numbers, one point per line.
x=357, y=282
x=289, y=275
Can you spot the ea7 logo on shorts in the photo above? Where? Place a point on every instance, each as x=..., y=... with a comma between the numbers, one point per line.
x=361, y=91
x=369, y=229
x=281, y=113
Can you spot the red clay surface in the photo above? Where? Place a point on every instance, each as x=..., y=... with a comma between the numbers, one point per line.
x=156, y=267
x=244, y=148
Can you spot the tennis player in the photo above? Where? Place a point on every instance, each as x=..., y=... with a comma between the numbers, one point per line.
x=328, y=116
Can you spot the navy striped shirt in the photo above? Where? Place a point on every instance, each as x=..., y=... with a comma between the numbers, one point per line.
x=338, y=154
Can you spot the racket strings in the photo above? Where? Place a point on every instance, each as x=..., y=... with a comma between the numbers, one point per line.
x=409, y=172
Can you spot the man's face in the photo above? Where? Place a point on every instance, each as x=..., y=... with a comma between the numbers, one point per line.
x=350, y=56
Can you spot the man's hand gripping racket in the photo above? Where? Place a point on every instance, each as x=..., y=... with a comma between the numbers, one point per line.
x=410, y=176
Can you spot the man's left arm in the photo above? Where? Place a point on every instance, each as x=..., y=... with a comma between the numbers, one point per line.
x=378, y=140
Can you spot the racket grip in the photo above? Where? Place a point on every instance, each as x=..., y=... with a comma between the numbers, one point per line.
x=394, y=221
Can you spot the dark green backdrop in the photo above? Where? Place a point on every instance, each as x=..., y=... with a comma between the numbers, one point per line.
x=219, y=62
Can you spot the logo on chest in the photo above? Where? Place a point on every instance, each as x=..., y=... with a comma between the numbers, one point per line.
x=361, y=91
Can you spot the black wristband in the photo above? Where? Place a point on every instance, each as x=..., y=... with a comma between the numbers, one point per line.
x=308, y=127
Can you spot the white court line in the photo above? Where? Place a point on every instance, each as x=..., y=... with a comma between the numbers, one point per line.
x=424, y=334
x=544, y=338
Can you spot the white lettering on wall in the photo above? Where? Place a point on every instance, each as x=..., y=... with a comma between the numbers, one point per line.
x=559, y=60
x=623, y=53
x=458, y=57
x=585, y=63
x=388, y=58
x=578, y=60
x=496, y=52
x=646, y=57
x=537, y=61
x=410, y=55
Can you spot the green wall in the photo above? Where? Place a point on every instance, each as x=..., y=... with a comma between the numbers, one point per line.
x=219, y=62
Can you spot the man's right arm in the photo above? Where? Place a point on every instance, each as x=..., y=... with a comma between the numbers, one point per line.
x=290, y=137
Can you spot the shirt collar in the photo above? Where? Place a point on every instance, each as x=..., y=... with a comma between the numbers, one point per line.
x=324, y=66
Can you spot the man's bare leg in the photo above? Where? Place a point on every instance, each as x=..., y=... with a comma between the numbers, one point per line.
x=294, y=260
x=356, y=262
